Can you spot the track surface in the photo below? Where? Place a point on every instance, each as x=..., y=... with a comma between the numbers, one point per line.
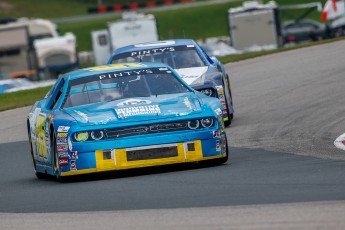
x=289, y=110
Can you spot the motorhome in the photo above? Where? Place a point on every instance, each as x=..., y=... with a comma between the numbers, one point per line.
x=33, y=48
x=255, y=26
x=132, y=28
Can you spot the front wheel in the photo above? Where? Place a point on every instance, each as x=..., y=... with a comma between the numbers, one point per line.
x=230, y=116
x=220, y=161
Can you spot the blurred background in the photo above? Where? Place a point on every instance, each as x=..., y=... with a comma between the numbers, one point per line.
x=40, y=39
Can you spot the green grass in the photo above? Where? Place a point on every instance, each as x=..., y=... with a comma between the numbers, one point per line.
x=203, y=22
x=21, y=98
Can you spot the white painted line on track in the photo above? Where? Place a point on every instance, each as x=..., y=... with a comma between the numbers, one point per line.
x=340, y=142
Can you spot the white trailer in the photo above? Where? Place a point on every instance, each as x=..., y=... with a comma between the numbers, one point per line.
x=133, y=28
x=254, y=26
x=46, y=52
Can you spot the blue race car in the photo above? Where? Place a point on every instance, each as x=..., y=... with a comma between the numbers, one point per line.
x=123, y=116
x=203, y=73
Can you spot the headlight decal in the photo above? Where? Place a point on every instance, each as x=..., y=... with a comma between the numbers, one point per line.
x=193, y=124
x=97, y=135
x=81, y=136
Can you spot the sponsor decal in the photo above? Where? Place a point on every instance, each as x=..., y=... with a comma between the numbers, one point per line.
x=134, y=101
x=62, y=148
x=63, y=161
x=218, y=145
x=138, y=110
x=187, y=102
x=218, y=111
x=74, y=154
x=220, y=89
x=152, y=51
x=63, y=129
x=125, y=73
x=42, y=142
x=216, y=134
x=193, y=74
x=73, y=165
x=61, y=140
x=63, y=155
x=62, y=134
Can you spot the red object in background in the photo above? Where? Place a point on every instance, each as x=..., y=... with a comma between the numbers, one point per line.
x=102, y=9
x=117, y=7
x=291, y=38
x=133, y=5
x=150, y=4
x=168, y=2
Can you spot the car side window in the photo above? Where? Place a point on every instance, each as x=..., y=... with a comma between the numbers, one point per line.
x=57, y=94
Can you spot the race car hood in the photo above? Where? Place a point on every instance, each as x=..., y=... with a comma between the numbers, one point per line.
x=191, y=75
x=136, y=109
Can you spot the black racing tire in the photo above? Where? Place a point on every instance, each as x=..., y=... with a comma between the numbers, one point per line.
x=39, y=175
x=56, y=160
x=230, y=116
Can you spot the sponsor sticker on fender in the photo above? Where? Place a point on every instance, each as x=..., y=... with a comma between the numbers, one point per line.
x=62, y=148
x=63, y=129
x=61, y=140
x=63, y=161
x=73, y=165
x=62, y=135
x=218, y=111
x=63, y=154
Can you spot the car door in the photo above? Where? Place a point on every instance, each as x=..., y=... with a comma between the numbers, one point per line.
x=43, y=121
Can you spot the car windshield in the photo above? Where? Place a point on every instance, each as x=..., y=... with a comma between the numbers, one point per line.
x=122, y=84
x=177, y=57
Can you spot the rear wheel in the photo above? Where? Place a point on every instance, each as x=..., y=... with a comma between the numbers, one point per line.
x=38, y=174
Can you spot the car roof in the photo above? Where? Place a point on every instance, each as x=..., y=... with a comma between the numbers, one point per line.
x=155, y=44
x=110, y=68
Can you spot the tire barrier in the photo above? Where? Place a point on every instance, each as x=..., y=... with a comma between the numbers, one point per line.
x=133, y=6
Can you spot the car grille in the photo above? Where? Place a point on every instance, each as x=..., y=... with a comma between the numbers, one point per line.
x=149, y=154
x=139, y=130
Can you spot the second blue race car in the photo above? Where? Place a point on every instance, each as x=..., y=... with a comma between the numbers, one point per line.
x=123, y=116
x=203, y=73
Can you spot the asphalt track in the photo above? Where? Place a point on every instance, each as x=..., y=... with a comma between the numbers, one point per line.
x=284, y=170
